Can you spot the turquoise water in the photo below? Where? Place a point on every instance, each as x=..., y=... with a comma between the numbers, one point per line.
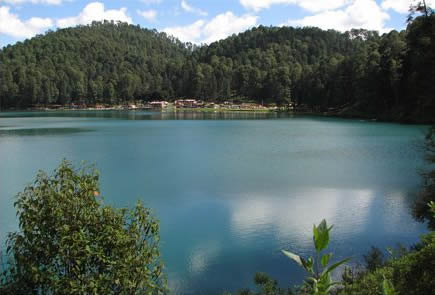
x=231, y=190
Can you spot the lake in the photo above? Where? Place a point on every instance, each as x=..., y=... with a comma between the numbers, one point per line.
x=231, y=189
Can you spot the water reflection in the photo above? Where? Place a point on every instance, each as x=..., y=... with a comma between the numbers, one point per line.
x=231, y=193
x=242, y=234
x=294, y=216
x=203, y=255
x=41, y=131
x=352, y=211
x=149, y=115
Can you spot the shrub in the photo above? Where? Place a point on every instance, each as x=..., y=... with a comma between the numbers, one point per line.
x=410, y=274
x=69, y=242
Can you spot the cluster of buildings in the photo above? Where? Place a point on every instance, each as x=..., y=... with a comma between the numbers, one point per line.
x=193, y=103
x=189, y=103
x=162, y=104
x=180, y=103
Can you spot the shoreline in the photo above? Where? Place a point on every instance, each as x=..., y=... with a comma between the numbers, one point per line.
x=163, y=110
x=341, y=115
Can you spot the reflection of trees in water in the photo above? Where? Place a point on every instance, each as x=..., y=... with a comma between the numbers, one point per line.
x=41, y=131
x=189, y=115
x=154, y=115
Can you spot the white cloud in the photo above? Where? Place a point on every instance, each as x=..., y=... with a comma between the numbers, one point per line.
x=16, y=2
x=10, y=24
x=310, y=5
x=225, y=24
x=189, y=33
x=258, y=5
x=149, y=15
x=218, y=28
x=321, y=5
x=95, y=12
x=402, y=6
x=364, y=14
x=186, y=7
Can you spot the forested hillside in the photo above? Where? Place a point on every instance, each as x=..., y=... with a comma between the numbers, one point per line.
x=361, y=72
x=102, y=62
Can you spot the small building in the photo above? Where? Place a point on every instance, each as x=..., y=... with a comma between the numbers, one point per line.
x=100, y=106
x=159, y=104
x=211, y=105
x=186, y=103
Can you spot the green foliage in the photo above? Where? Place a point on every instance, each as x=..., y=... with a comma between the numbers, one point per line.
x=358, y=71
x=321, y=235
x=104, y=62
x=414, y=272
x=70, y=243
x=320, y=282
x=410, y=274
x=423, y=207
x=374, y=259
x=266, y=286
x=387, y=287
x=431, y=206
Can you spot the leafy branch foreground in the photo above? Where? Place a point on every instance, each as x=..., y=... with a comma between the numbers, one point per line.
x=320, y=282
x=70, y=243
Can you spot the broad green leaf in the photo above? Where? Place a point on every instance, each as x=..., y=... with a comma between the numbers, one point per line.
x=315, y=232
x=294, y=257
x=335, y=265
x=306, y=264
x=325, y=259
x=321, y=236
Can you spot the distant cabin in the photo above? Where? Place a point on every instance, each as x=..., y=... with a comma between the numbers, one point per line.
x=159, y=104
x=187, y=103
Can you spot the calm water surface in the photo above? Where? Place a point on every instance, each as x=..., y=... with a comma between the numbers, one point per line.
x=231, y=190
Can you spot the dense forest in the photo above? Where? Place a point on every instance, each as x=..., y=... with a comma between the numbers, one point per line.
x=360, y=72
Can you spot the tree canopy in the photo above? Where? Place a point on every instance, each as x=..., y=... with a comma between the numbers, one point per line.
x=70, y=243
x=106, y=62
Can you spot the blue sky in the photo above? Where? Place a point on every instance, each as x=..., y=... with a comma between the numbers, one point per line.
x=199, y=21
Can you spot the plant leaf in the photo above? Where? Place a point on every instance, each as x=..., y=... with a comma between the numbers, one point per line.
x=325, y=258
x=329, y=286
x=294, y=257
x=321, y=235
x=387, y=287
x=309, y=264
x=335, y=265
